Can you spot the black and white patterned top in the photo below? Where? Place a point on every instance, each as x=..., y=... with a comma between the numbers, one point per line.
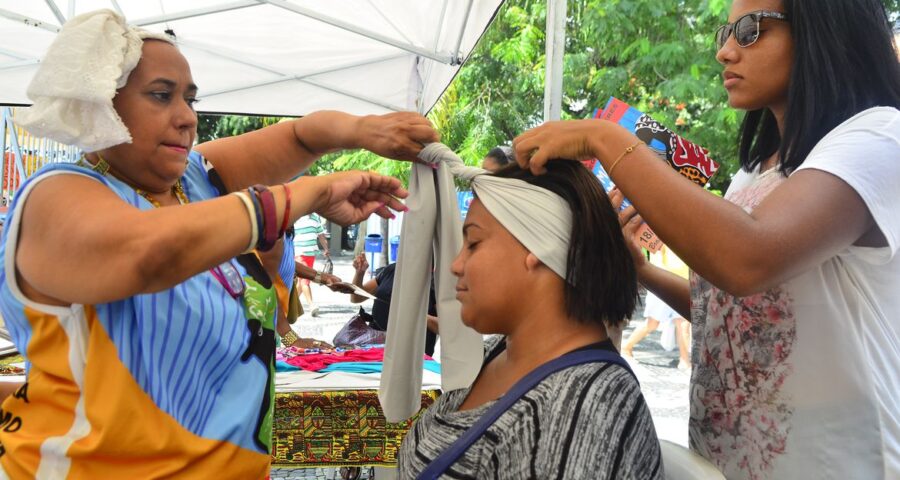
x=587, y=421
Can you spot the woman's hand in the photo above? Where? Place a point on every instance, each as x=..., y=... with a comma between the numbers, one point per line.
x=312, y=343
x=399, y=135
x=571, y=139
x=629, y=220
x=360, y=264
x=350, y=197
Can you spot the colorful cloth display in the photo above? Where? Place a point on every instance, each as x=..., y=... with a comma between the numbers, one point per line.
x=317, y=429
x=332, y=361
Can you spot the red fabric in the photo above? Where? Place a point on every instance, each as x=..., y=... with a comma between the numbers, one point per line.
x=319, y=361
x=308, y=261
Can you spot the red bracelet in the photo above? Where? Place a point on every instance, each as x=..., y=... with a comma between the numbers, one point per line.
x=270, y=219
x=287, y=210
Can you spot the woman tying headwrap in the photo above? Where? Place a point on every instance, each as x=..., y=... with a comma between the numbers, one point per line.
x=148, y=334
x=543, y=265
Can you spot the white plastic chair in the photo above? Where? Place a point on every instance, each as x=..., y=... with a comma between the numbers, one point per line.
x=682, y=464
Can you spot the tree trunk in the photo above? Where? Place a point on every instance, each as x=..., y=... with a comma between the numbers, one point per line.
x=384, y=242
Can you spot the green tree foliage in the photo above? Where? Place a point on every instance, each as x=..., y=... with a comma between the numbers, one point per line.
x=657, y=56
x=212, y=127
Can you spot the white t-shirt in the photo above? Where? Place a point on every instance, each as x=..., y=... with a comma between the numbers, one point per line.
x=803, y=381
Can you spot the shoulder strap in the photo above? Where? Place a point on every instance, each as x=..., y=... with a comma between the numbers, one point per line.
x=440, y=464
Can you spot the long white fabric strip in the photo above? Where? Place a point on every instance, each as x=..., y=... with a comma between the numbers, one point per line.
x=538, y=218
x=431, y=229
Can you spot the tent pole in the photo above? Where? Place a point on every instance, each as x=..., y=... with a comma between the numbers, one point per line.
x=430, y=67
x=553, y=71
x=28, y=21
x=285, y=77
x=116, y=7
x=196, y=12
x=462, y=31
x=56, y=13
x=306, y=12
x=19, y=63
x=3, y=172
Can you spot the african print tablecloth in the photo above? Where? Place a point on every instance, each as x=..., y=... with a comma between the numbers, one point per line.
x=341, y=428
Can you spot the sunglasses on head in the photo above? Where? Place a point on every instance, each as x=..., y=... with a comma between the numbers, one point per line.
x=746, y=28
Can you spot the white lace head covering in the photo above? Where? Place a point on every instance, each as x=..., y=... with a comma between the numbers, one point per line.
x=73, y=89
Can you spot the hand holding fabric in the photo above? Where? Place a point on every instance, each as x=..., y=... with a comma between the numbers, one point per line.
x=399, y=135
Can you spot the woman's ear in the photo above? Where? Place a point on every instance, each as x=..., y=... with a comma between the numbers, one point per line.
x=532, y=262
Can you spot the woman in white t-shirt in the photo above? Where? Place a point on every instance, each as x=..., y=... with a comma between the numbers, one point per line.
x=794, y=293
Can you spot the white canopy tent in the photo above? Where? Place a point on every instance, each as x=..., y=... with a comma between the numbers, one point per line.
x=278, y=57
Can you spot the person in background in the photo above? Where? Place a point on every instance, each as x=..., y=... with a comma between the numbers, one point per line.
x=795, y=273
x=657, y=312
x=284, y=271
x=309, y=239
x=497, y=158
x=381, y=286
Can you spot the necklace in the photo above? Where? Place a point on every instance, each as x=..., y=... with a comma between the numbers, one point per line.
x=103, y=168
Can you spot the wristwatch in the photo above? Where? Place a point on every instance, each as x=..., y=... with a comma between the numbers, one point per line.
x=318, y=277
x=289, y=338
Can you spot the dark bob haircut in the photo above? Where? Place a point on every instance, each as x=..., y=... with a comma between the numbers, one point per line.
x=601, y=281
x=844, y=62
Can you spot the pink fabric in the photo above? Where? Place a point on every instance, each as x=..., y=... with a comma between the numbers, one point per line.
x=318, y=361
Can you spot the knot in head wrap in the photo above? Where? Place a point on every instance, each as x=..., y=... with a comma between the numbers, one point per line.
x=538, y=218
x=73, y=89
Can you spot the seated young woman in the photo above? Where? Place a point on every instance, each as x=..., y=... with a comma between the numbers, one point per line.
x=585, y=421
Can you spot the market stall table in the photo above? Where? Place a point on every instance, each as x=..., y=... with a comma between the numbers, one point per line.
x=322, y=419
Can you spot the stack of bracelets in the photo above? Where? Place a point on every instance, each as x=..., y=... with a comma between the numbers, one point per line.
x=264, y=229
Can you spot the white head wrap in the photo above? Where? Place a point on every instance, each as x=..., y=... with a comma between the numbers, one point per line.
x=537, y=217
x=73, y=89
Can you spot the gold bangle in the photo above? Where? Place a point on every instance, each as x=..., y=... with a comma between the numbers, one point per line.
x=289, y=338
x=626, y=152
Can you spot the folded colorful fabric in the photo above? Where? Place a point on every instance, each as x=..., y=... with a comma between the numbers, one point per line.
x=360, y=361
x=373, y=367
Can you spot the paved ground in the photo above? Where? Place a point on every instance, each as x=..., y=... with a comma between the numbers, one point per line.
x=665, y=387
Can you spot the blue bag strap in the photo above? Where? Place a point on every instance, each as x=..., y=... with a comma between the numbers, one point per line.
x=439, y=465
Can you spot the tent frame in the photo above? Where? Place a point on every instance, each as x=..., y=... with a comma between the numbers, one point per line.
x=449, y=58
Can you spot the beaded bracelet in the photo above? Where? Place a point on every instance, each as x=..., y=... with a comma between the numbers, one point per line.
x=251, y=212
x=270, y=218
x=287, y=211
